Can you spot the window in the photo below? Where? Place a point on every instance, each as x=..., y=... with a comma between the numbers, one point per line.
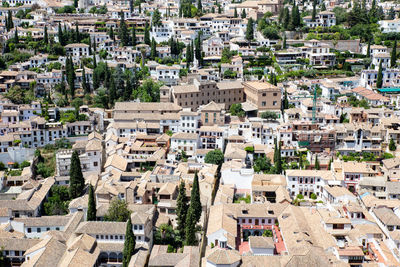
x=29, y=230
x=135, y=227
x=140, y=227
x=263, y=103
x=39, y=229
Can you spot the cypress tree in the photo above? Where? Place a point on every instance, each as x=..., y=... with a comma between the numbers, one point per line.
x=284, y=42
x=113, y=91
x=235, y=14
x=198, y=52
x=77, y=35
x=133, y=36
x=243, y=14
x=71, y=76
x=190, y=230
x=16, y=38
x=76, y=180
x=85, y=85
x=250, y=30
x=147, y=34
x=286, y=18
x=112, y=36
x=393, y=55
x=316, y=165
x=379, y=80
x=195, y=203
x=123, y=31
x=153, y=51
x=60, y=35
x=94, y=46
x=62, y=87
x=369, y=48
x=181, y=209
x=131, y=6
x=129, y=244
x=10, y=23
x=392, y=145
x=199, y=7
x=94, y=61
x=188, y=56
x=314, y=10
x=76, y=3
x=45, y=35
x=91, y=212
x=285, y=101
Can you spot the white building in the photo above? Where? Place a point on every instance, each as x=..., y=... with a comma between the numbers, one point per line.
x=390, y=25
x=187, y=142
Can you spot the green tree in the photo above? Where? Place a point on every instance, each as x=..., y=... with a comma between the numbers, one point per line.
x=314, y=10
x=393, y=57
x=316, y=164
x=153, y=51
x=379, y=80
x=195, y=203
x=76, y=180
x=117, y=211
x=129, y=244
x=85, y=84
x=269, y=115
x=199, y=7
x=284, y=42
x=76, y=3
x=123, y=31
x=190, y=230
x=214, y=157
x=181, y=209
x=147, y=34
x=392, y=145
x=156, y=19
x=237, y=110
x=250, y=30
x=45, y=35
x=91, y=212
x=285, y=101
x=243, y=16
x=235, y=14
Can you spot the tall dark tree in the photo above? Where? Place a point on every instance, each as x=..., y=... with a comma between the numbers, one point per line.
x=123, y=31
x=314, y=10
x=111, y=34
x=199, y=7
x=243, y=16
x=286, y=18
x=235, y=13
x=16, y=37
x=316, y=164
x=70, y=71
x=198, y=52
x=369, y=48
x=284, y=41
x=129, y=244
x=91, y=212
x=285, y=101
x=153, y=50
x=112, y=91
x=45, y=35
x=156, y=18
x=76, y=3
x=181, y=209
x=190, y=229
x=85, y=84
x=61, y=39
x=189, y=55
x=379, y=80
x=77, y=34
x=10, y=22
x=195, y=203
x=76, y=180
x=147, y=34
x=393, y=57
x=131, y=6
x=250, y=30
